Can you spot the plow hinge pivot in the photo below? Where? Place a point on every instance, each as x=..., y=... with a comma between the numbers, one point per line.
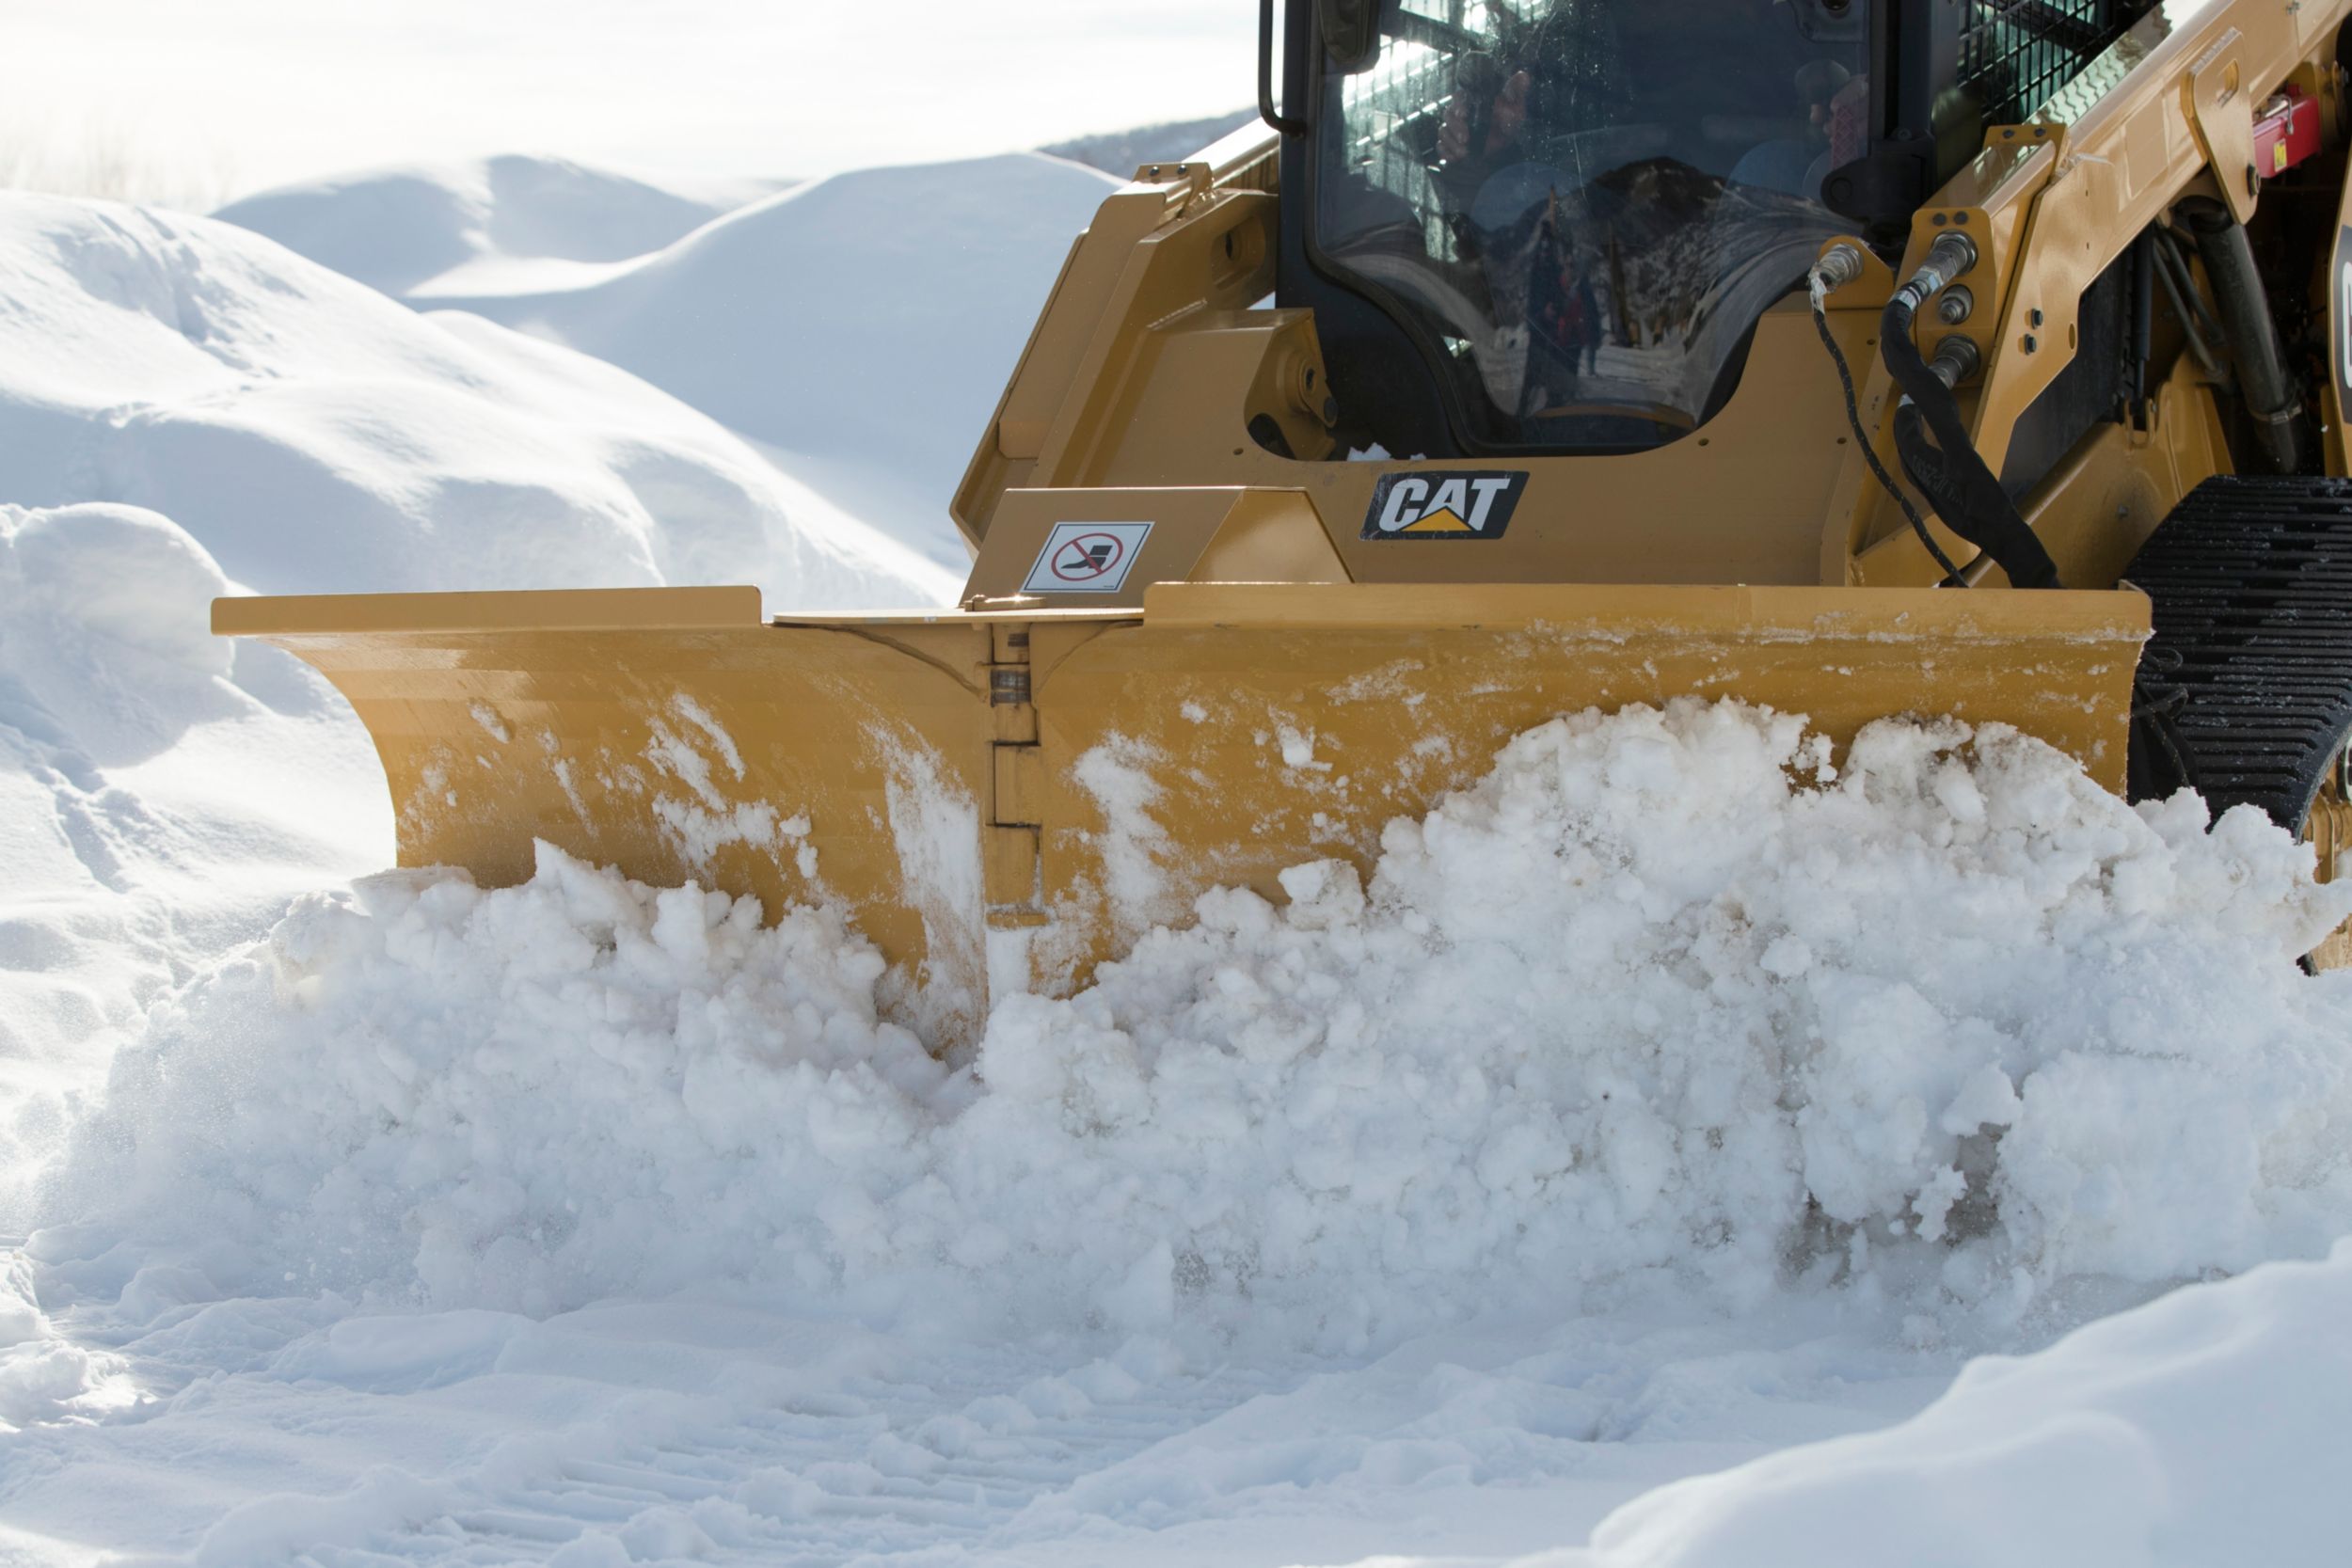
x=1016, y=784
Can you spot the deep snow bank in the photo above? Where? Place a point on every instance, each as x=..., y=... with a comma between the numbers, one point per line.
x=185, y=407
x=316, y=436
x=860, y=326
x=1952, y=1029
x=2205, y=1428
x=162, y=793
x=486, y=222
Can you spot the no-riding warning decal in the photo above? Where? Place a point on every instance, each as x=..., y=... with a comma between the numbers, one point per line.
x=1087, y=557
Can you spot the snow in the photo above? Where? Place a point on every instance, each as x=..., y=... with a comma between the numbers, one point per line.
x=162, y=793
x=1677, y=1151
x=492, y=220
x=859, y=328
x=315, y=436
x=1951, y=1033
x=1534, y=1083
x=1121, y=152
x=186, y=410
x=2204, y=1428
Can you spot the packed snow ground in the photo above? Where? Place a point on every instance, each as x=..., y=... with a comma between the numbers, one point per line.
x=1663, y=1103
x=858, y=328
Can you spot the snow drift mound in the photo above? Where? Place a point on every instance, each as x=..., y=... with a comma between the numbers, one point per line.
x=315, y=436
x=864, y=325
x=396, y=228
x=2204, y=1428
x=162, y=792
x=1120, y=154
x=1950, y=1030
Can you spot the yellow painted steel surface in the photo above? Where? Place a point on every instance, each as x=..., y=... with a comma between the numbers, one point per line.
x=1268, y=725
x=674, y=734
x=903, y=767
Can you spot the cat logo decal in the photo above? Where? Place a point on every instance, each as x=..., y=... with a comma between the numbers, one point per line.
x=1455, y=505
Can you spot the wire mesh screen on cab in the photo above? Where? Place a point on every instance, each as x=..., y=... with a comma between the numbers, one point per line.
x=2016, y=54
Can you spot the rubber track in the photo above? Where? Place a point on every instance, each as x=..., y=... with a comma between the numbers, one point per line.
x=2252, y=583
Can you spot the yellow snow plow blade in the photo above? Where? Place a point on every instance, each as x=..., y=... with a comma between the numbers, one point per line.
x=1006, y=799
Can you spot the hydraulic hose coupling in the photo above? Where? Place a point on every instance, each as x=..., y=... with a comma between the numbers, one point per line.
x=1839, y=265
x=1951, y=256
x=1956, y=359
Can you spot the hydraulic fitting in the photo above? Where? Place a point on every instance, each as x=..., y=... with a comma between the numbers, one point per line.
x=1956, y=359
x=1839, y=265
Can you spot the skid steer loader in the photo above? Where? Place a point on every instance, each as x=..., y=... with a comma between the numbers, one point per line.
x=1857, y=357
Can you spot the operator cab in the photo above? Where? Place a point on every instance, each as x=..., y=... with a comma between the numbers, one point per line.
x=1552, y=227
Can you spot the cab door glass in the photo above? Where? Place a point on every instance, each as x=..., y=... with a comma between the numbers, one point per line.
x=1586, y=204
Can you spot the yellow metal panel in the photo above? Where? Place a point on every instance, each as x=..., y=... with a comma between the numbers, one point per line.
x=1270, y=536
x=1009, y=862
x=1019, y=786
x=795, y=763
x=1231, y=731
x=1239, y=730
x=547, y=609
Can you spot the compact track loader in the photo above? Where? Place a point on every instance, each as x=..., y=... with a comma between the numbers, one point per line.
x=1857, y=357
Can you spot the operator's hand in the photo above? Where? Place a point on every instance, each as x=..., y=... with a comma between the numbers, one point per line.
x=1454, y=132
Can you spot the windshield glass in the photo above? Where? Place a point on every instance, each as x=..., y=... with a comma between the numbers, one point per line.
x=1588, y=203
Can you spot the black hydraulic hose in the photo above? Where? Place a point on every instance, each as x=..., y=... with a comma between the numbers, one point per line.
x=1825, y=275
x=1933, y=442
x=2173, y=250
x=2269, y=392
x=2189, y=305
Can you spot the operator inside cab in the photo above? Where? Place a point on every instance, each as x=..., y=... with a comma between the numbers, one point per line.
x=1586, y=204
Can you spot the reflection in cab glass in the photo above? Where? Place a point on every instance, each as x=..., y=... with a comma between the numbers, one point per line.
x=1587, y=204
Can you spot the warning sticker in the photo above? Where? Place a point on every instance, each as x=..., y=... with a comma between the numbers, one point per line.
x=1087, y=557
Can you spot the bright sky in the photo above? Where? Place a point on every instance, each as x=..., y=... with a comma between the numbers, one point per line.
x=247, y=93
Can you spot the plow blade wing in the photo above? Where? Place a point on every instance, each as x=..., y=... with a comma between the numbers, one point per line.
x=1007, y=799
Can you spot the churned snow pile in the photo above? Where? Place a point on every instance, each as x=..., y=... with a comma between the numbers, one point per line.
x=495, y=222
x=1953, y=1029
x=1666, y=1098
x=2204, y=1428
x=315, y=436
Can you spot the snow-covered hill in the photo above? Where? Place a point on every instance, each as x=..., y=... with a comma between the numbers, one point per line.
x=493, y=221
x=187, y=406
x=859, y=327
x=315, y=436
x=1121, y=152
